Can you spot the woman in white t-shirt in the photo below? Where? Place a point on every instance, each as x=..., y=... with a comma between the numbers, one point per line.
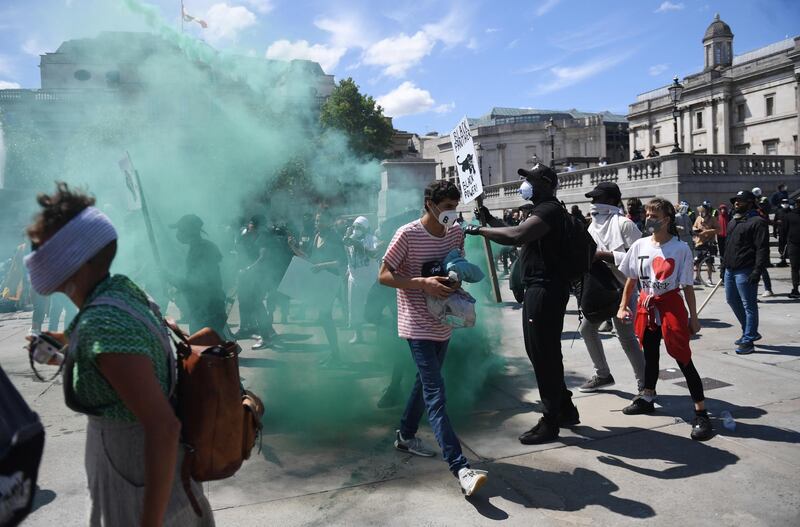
x=663, y=265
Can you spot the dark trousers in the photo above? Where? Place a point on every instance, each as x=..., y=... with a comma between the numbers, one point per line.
x=252, y=290
x=794, y=261
x=651, y=345
x=782, y=248
x=721, y=244
x=542, y=324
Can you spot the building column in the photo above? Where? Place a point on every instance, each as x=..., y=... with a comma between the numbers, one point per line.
x=711, y=135
x=688, y=114
x=501, y=149
x=723, y=140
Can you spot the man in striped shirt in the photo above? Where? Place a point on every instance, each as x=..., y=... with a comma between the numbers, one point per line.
x=416, y=250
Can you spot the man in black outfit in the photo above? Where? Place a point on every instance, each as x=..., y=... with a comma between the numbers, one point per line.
x=791, y=228
x=546, y=295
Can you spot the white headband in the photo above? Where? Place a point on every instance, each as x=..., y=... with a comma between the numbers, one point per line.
x=68, y=249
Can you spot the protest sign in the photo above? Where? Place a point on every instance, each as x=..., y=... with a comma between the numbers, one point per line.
x=467, y=164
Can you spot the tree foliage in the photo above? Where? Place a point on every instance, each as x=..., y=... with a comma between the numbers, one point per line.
x=368, y=131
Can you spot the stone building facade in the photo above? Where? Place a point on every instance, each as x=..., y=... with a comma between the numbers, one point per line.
x=744, y=104
x=510, y=137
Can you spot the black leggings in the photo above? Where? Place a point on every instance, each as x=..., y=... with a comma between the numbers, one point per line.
x=651, y=344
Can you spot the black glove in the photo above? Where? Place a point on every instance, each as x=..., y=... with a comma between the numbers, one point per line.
x=483, y=213
x=471, y=228
x=754, y=277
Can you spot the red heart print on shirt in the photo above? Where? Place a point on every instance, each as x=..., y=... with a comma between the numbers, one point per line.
x=663, y=268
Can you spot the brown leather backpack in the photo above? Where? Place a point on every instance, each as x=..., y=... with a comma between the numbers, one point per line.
x=220, y=419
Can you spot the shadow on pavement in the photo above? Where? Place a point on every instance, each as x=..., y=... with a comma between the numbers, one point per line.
x=792, y=351
x=42, y=497
x=714, y=323
x=683, y=457
x=563, y=491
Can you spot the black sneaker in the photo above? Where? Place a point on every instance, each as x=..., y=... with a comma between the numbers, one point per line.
x=569, y=416
x=701, y=428
x=794, y=294
x=595, y=383
x=543, y=432
x=639, y=406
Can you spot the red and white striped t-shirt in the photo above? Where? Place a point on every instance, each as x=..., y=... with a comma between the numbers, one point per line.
x=411, y=247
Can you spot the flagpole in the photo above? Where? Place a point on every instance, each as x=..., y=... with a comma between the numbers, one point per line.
x=146, y=213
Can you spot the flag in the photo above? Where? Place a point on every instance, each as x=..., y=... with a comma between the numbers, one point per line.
x=134, y=193
x=189, y=18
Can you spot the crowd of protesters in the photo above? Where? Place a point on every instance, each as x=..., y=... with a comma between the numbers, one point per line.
x=655, y=251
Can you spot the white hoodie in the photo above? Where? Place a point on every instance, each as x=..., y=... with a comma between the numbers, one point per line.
x=612, y=231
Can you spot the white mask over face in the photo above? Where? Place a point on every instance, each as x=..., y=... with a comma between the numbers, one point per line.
x=526, y=190
x=446, y=217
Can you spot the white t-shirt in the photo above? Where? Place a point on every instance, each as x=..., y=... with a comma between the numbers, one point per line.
x=659, y=268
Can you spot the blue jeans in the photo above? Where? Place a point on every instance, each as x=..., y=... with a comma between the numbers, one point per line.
x=742, y=297
x=428, y=393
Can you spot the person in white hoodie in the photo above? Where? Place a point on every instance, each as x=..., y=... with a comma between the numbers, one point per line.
x=614, y=234
x=362, y=272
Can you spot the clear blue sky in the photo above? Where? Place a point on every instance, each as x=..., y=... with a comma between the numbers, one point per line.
x=432, y=62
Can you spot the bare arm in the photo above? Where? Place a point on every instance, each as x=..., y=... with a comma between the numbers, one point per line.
x=624, y=311
x=432, y=285
x=134, y=380
x=691, y=303
x=532, y=229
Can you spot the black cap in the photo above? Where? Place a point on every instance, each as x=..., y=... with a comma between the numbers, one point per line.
x=605, y=188
x=743, y=195
x=541, y=171
x=190, y=222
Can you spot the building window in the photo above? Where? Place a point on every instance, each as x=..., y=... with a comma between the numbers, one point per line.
x=769, y=101
x=741, y=149
x=657, y=135
x=741, y=112
x=83, y=75
x=699, y=119
x=451, y=172
x=771, y=147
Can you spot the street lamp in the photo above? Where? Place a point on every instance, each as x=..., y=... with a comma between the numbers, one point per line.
x=551, y=131
x=675, y=92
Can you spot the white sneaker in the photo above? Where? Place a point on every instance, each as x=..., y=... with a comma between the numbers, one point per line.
x=709, y=283
x=471, y=480
x=766, y=294
x=414, y=446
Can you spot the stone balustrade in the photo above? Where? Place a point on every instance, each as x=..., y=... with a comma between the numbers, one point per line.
x=690, y=177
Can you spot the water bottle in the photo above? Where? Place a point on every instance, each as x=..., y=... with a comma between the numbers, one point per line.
x=727, y=420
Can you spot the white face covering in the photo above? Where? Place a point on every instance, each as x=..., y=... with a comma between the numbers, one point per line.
x=526, y=190
x=446, y=217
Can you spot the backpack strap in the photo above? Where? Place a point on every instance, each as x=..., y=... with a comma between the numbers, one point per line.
x=161, y=333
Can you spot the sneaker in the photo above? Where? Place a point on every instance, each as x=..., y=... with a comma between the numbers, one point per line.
x=543, y=432
x=782, y=263
x=766, y=294
x=412, y=446
x=697, y=281
x=331, y=361
x=356, y=339
x=794, y=294
x=244, y=334
x=471, y=480
x=261, y=344
x=595, y=383
x=746, y=348
x=741, y=340
x=639, y=406
x=569, y=417
x=701, y=428
x=391, y=397
x=605, y=327
x=709, y=283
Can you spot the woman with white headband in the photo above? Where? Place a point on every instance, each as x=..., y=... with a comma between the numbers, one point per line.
x=118, y=369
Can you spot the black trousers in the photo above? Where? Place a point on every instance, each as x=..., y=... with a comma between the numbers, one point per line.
x=542, y=324
x=782, y=247
x=794, y=261
x=651, y=343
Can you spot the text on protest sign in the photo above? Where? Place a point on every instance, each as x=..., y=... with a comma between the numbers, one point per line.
x=469, y=174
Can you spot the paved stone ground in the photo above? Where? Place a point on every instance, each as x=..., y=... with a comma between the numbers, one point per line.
x=611, y=469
